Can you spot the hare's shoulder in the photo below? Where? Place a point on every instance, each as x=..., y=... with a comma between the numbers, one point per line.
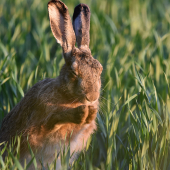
x=26, y=111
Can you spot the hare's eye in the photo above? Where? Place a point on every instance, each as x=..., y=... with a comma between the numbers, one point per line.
x=73, y=73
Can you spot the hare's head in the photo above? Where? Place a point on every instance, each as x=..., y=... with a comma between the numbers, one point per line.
x=81, y=72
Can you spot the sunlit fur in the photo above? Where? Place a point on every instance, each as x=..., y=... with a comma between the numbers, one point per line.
x=55, y=108
x=56, y=111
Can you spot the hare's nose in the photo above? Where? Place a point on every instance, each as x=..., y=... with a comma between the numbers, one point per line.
x=92, y=96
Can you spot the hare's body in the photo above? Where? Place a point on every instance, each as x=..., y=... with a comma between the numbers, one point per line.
x=56, y=111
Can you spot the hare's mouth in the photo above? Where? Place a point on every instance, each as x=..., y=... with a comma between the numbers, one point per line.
x=87, y=102
x=93, y=103
x=89, y=98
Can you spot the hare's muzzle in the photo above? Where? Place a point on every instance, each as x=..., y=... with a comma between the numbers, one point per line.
x=92, y=96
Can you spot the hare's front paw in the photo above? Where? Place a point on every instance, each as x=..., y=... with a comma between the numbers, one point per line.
x=81, y=114
x=92, y=114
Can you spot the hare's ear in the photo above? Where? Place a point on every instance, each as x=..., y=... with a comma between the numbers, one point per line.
x=81, y=24
x=61, y=25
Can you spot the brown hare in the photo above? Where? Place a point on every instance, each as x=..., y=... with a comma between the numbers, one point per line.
x=62, y=109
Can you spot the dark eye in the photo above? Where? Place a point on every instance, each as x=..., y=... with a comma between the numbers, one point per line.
x=74, y=73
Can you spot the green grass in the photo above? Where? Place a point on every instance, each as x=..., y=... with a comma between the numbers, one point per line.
x=132, y=41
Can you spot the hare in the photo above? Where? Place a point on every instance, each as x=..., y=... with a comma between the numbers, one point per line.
x=62, y=109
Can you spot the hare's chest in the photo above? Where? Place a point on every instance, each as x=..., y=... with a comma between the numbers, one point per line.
x=52, y=146
x=76, y=135
x=79, y=139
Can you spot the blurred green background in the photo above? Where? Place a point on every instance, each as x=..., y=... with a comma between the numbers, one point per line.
x=131, y=39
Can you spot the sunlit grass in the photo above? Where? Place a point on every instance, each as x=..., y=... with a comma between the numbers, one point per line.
x=132, y=41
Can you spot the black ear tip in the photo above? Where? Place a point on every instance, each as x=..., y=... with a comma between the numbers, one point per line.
x=81, y=8
x=52, y=1
x=59, y=5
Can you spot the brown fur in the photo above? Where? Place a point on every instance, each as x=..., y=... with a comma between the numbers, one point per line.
x=57, y=108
